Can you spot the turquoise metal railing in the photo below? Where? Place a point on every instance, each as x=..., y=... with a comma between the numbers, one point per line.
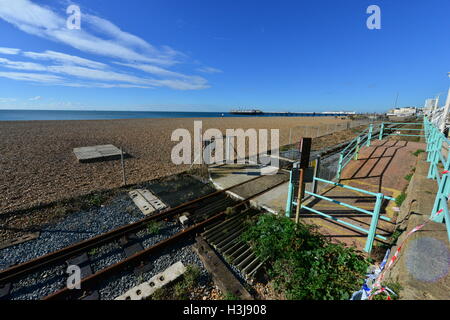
x=438, y=147
x=364, y=139
x=386, y=130
x=352, y=150
x=375, y=213
x=438, y=154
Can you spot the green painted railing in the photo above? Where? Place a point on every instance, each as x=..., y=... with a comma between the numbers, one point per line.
x=364, y=140
x=438, y=147
x=352, y=150
x=387, y=130
x=375, y=213
x=438, y=154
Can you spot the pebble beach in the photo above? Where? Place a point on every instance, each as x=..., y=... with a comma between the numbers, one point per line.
x=38, y=165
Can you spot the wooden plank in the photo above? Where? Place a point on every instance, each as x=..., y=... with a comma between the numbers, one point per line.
x=222, y=276
x=18, y=240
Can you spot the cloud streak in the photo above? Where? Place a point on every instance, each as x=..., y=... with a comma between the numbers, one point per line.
x=99, y=37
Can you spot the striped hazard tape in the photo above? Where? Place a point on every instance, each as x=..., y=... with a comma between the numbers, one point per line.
x=394, y=258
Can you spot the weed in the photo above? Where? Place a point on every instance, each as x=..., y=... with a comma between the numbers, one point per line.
x=182, y=289
x=154, y=227
x=303, y=263
x=417, y=152
x=230, y=296
x=94, y=200
x=399, y=200
x=394, y=286
x=230, y=211
x=409, y=176
x=93, y=251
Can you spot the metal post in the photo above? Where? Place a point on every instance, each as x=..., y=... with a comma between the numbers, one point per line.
x=341, y=158
x=290, y=136
x=446, y=109
x=289, y=198
x=430, y=144
x=381, y=131
x=437, y=146
x=300, y=192
x=316, y=173
x=374, y=223
x=358, y=140
x=123, y=167
x=441, y=196
x=369, y=135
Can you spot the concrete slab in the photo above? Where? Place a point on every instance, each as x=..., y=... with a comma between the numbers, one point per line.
x=146, y=201
x=97, y=153
x=226, y=176
x=146, y=289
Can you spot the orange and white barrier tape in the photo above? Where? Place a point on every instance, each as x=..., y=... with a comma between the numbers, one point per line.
x=377, y=284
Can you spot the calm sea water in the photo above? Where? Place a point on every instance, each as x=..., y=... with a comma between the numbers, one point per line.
x=22, y=115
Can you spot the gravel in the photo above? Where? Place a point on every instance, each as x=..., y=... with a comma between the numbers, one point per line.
x=84, y=225
x=183, y=252
x=74, y=228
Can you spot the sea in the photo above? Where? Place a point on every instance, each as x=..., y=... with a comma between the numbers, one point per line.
x=28, y=115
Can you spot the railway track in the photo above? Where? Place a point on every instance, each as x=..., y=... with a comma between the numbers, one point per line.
x=203, y=211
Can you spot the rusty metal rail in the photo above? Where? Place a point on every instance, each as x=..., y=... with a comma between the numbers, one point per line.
x=17, y=271
x=91, y=281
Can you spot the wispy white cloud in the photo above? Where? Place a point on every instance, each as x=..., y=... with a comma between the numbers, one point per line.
x=64, y=58
x=209, y=70
x=32, y=77
x=9, y=50
x=6, y=100
x=43, y=22
x=176, y=80
x=21, y=65
x=35, y=98
x=100, y=37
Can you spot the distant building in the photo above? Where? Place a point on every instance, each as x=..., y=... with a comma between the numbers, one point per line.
x=429, y=106
x=402, y=112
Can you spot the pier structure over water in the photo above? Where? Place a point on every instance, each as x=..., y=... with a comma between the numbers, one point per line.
x=257, y=112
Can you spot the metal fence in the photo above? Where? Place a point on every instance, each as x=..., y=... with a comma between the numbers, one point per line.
x=438, y=157
x=375, y=213
x=320, y=130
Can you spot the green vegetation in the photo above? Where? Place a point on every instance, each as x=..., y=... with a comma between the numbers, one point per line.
x=93, y=251
x=302, y=263
x=409, y=176
x=230, y=296
x=93, y=200
x=399, y=200
x=154, y=227
x=417, y=152
x=181, y=289
x=392, y=240
x=394, y=286
x=229, y=210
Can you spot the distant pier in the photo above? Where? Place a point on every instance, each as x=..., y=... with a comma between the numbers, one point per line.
x=253, y=112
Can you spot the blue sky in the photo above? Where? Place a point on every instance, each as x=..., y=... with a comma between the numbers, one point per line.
x=214, y=55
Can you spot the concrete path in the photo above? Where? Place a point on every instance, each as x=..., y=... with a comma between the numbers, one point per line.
x=274, y=200
x=382, y=167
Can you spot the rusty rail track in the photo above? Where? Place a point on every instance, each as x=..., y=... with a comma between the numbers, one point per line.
x=9, y=275
x=29, y=266
x=91, y=281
